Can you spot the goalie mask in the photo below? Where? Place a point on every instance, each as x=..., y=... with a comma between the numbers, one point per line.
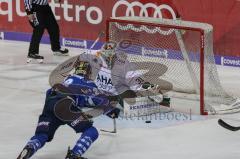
x=108, y=52
x=83, y=69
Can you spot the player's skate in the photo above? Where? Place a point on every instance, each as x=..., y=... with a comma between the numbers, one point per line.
x=26, y=153
x=35, y=57
x=71, y=155
x=61, y=52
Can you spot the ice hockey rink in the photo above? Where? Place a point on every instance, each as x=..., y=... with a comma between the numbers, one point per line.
x=22, y=96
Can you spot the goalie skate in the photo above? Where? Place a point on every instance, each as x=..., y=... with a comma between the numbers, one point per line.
x=32, y=57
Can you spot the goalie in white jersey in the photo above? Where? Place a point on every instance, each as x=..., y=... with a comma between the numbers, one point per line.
x=114, y=74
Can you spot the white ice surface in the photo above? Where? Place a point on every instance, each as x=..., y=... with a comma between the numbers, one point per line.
x=22, y=93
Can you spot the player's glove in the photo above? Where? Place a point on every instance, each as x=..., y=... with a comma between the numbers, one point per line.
x=114, y=113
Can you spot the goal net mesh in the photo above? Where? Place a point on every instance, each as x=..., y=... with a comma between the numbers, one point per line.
x=176, y=55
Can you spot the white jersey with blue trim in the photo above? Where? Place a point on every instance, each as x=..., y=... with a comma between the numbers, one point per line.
x=103, y=79
x=121, y=77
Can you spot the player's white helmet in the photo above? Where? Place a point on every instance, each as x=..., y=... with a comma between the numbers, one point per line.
x=83, y=68
x=108, y=51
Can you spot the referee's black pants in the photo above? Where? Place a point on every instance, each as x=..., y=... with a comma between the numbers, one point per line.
x=44, y=20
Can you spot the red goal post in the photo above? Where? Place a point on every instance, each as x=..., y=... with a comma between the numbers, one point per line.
x=186, y=49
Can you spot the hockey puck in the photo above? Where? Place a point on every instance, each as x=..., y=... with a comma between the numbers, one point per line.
x=148, y=121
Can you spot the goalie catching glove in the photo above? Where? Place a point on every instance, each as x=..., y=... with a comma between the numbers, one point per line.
x=154, y=89
x=155, y=94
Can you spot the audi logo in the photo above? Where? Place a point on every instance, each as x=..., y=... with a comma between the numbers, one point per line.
x=130, y=12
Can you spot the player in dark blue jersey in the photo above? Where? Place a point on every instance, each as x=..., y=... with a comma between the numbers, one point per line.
x=63, y=105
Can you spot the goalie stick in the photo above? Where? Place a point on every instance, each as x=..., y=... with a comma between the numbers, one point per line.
x=228, y=126
x=98, y=38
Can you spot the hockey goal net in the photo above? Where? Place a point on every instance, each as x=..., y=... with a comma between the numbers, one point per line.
x=181, y=57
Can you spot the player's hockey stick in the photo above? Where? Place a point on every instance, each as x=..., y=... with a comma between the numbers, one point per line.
x=114, y=127
x=228, y=126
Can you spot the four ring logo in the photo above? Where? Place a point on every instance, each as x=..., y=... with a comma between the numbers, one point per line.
x=143, y=9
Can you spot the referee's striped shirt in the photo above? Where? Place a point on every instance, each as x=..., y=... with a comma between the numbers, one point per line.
x=28, y=4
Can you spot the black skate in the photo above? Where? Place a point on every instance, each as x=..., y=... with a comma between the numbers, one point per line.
x=61, y=52
x=26, y=153
x=35, y=57
x=71, y=155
